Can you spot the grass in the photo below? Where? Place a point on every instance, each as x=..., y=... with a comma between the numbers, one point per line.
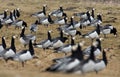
x=35, y=68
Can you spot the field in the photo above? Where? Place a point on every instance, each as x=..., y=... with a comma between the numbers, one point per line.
x=36, y=67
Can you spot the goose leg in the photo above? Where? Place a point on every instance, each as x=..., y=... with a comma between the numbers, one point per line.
x=22, y=64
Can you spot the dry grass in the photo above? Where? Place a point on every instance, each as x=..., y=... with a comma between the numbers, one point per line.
x=35, y=68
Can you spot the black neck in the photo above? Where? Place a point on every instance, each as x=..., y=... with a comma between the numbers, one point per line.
x=50, y=19
x=72, y=41
x=99, y=17
x=13, y=44
x=114, y=31
x=99, y=43
x=93, y=15
x=104, y=57
x=31, y=49
x=64, y=14
x=22, y=32
x=44, y=11
x=71, y=21
x=17, y=13
x=3, y=43
x=92, y=57
x=61, y=9
x=98, y=28
x=11, y=16
x=61, y=34
x=49, y=35
x=24, y=24
x=36, y=22
x=65, y=19
x=5, y=14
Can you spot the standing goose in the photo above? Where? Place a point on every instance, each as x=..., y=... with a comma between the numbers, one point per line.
x=101, y=64
x=96, y=21
x=46, y=20
x=3, y=45
x=66, y=48
x=58, y=13
x=40, y=14
x=108, y=29
x=45, y=43
x=19, y=23
x=93, y=34
x=3, y=15
x=24, y=55
x=24, y=39
x=58, y=41
x=34, y=26
x=7, y=53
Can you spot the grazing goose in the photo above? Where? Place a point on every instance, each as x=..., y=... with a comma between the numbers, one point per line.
x=66, y=48
x=45, y=43
x=100, y=64
x=85, y=65
x=93, y=34
x=19, y=23
x=98, y=48
x=3, y=45
x=34, y=26
x=8, y=52
x=58, y=41
x=71, y=32
x=24, y=39
x=46, y=20
x=24, y=55
x=40, y=13
x=108, y=29
x=58, y=13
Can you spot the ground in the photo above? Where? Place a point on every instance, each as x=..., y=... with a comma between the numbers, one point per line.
x=35, y=68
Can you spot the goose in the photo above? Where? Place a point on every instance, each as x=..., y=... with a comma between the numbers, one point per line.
x=46, y=20
x=24, y=55
x=3, y=45
x=34, y=26
x=24, y=39
x=19, y=23
x=93, y=34
x=98, y=48
x=71, y=32
x=61, y=21
x=8, y=52
x=58, y=13
x=58, y=41
x=100, y=64
x=8, y=20
x=85, y=65
x=108, y=29
x=96, y=21
x=66, y=48
x=68, y=64
x=40, y=14
x=3, y=15
x=45, y=43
